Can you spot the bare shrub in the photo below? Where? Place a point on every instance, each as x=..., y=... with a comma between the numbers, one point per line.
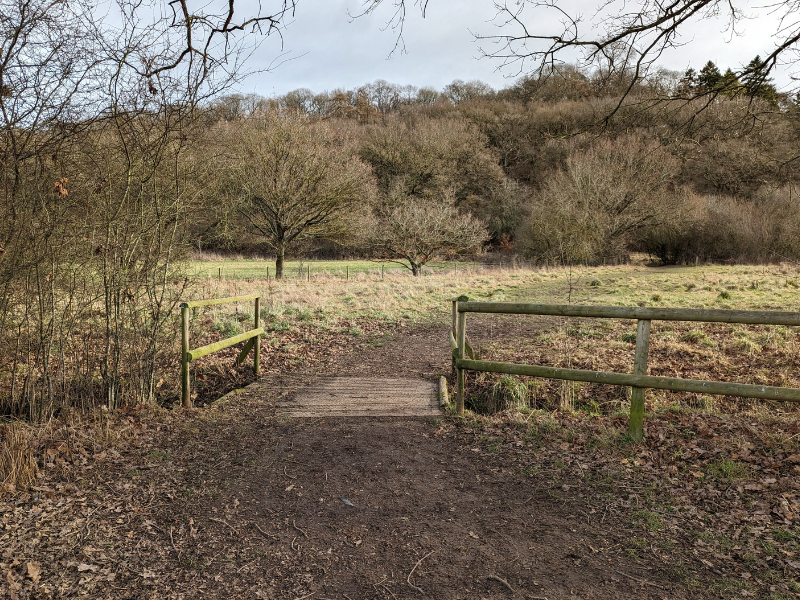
x=414, y=231
x=97, y=179
x=593, y=209
x=723, y=228
x=18, y=469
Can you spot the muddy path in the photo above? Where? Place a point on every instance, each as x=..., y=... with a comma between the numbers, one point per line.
x=386, y=508
x=232, y=501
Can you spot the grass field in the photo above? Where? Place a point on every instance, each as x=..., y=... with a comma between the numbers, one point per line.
x=249, y=268
x=365, y=304
x=427, y=297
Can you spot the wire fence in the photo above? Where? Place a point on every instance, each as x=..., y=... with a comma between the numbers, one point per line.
x=310, y=271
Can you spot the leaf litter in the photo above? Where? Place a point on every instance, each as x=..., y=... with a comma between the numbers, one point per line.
x=188, y=503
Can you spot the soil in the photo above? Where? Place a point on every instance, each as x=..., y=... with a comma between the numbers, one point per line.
x=344, y=508
x=230, y=501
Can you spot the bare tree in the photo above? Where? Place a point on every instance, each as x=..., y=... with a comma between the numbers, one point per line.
x=96, y=115
x=418, y=230
x=293, y=179
x=462, y=91
x=432, y=157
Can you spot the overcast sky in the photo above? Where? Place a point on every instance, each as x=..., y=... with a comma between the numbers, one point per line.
x=324, y=49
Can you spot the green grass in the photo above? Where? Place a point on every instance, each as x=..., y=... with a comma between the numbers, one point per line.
x=649, y=520
x=620, y=286
x=247, y=268
x=728, y=469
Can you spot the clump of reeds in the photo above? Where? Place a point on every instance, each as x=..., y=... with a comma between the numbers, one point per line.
x=507, y=392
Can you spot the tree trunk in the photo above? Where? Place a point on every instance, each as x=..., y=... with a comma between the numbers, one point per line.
x=279, y=254
x=416, y=269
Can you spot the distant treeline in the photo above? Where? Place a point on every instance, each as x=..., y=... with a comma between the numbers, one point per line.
x=556, y=167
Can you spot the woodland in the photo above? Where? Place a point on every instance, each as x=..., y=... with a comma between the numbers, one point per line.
x=692, y=166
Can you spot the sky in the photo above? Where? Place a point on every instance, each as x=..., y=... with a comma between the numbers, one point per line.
x=324, y=48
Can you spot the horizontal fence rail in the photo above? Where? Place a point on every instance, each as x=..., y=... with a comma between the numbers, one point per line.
x=252, y=337
x=748, y=317
x=215, y=301
x=638, y=380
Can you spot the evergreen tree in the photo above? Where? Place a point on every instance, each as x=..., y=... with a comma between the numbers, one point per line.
x=729, y=83
x=709, y=78
x=688, y=83
x=756, y=83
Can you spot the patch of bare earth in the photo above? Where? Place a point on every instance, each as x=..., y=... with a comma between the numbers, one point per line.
x=231, y=501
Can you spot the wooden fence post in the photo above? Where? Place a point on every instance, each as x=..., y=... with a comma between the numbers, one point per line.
x=453, y=370
x=186, y=399
x=455, y=318
x=639, y=368
x=461, y=340
x=257, y=344
x=347, y=273
x=382, y=271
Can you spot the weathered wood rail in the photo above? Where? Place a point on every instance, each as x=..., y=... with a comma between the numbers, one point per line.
x=253, y=338
x=638, y=380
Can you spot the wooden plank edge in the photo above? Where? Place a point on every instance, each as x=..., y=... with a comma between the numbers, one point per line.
x=444, y=399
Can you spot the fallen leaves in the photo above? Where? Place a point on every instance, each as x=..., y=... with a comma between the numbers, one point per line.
x=721, y=487
x=34, y=571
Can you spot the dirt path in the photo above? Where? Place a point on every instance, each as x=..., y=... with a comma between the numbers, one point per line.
x=348, y=508
x=232, y=501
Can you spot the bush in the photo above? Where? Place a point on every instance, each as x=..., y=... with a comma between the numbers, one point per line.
x=723, y=228
x=591, y=210
x=507, y=392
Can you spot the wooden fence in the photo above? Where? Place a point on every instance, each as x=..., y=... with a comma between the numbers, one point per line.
x=253, y=338
x=638, y=380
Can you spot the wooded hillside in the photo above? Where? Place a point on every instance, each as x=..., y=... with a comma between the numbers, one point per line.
x=690, y=167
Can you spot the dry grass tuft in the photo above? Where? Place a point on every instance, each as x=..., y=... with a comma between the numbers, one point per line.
x=18, y=469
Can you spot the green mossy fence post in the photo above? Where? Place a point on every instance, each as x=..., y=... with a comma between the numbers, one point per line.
x=257, y=344
x=461, y=340
x=186, y=399
x=455, y=317
x=453, y=370
x=635, y=426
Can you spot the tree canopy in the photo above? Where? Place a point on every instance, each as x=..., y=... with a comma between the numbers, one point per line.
x=292, y=179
